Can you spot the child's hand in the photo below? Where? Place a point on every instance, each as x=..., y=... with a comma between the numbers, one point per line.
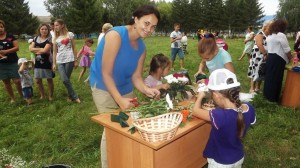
x=201, y=95
x=166, y=86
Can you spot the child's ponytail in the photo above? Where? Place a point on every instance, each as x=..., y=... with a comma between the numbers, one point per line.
x=233, y=94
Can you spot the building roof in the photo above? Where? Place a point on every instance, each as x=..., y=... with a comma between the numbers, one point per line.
x=44, y=19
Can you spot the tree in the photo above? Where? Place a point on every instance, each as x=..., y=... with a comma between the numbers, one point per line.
x=289, y=9
x=240, y=14
x=83, y=16
x=180, y=13
x=57, y=8
x=17, y=17
x=165, y=10
x=120, y=12
x=196, y=15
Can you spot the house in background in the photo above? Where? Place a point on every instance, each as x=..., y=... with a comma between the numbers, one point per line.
x=44, y=19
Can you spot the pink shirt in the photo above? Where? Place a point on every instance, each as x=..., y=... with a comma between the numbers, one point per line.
x=87, y=51
x=152, y=82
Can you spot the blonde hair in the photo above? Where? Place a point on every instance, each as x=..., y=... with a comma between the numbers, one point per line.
x=64, y=30
x=106, y=27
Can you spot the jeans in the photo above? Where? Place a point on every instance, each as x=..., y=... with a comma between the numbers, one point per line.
x=65, y=71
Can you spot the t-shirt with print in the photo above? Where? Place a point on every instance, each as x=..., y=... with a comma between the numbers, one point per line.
x=219, y=60
x=224, y=145
x=42, y=61
x=177, y=43
x=64, y=48
x=26, y=79
x=152, y=82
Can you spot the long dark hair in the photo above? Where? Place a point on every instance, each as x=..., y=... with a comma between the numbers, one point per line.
x=233, y=94
x=142, y=11
x=159, y=61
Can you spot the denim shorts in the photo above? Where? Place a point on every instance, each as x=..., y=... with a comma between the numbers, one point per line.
x=27, y=92
x=175, y=51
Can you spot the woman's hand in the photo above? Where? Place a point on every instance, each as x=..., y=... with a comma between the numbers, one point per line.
x=126, y=103
x=3, y=52
x=75, y=64
x=53, y=67
x=152, y=92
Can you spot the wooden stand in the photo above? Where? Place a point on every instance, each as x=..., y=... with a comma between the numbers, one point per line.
x=291, y=92
x=128, y=150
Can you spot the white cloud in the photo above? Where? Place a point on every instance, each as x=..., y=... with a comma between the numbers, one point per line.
x=37, y=7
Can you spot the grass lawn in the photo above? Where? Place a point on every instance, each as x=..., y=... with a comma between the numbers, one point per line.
x=62, y=132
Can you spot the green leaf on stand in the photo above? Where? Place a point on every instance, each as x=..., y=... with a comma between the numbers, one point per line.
x=123, y=115
x=132, y=129
x=114, y=118
x=123, y=123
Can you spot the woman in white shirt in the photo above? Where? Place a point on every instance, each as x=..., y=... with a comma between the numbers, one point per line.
x=279, y=54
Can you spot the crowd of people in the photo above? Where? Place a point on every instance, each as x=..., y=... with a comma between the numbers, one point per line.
x=54, y=49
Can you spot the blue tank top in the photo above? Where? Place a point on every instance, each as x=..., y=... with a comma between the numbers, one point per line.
x=124, y=66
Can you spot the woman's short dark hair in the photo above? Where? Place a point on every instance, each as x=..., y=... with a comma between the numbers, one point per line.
x=142, y=11
x=278, y=25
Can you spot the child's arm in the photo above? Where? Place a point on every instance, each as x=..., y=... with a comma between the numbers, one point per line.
x=201, y=69
x=22, y=67
x=91, y=52
x=162, y=86
x=198, y=111
x=79, y=53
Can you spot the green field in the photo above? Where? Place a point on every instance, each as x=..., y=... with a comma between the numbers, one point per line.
x=62, y=132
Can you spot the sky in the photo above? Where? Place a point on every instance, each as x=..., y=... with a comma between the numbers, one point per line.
x=37, y=7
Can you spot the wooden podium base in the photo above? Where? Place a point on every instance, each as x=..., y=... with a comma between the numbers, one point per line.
x=291, y=92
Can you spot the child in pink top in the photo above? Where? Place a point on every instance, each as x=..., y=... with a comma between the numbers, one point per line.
x=159, y=67
x=85, y=52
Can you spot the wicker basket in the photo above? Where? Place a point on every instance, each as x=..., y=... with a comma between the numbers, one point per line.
x=159, y=128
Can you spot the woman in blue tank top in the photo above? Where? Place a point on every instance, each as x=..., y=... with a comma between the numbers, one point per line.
x=119, y=60
x=118, y=65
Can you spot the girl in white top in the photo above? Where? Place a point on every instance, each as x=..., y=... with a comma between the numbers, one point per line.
x=64, y=53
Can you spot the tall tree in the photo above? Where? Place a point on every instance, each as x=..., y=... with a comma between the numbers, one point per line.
x=196, y=15
x=17, y=17
x=120, y=11
x=57, y=8
x=165, y=10
x=289, y=9
x=180, y=11
x=83, y=16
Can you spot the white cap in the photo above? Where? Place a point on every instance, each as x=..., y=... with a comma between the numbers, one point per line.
x=218, y=80
x=30, y=41
x=22, y=60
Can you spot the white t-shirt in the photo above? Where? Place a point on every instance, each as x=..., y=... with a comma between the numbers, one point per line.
x=177, y=43
x=278, y=44
x=64, y=48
